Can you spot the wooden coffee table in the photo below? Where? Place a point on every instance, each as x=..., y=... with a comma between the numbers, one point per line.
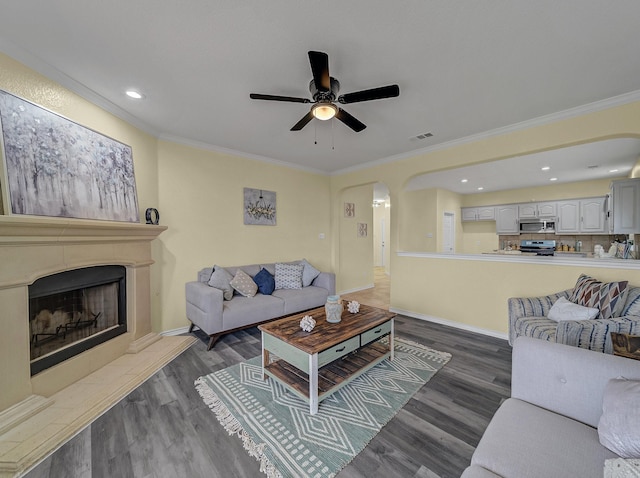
x=315, y=364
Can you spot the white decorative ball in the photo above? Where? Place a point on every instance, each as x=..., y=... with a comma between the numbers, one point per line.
x=307, y=323
x=353, y=307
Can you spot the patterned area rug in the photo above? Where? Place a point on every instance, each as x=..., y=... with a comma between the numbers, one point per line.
x=275, y=425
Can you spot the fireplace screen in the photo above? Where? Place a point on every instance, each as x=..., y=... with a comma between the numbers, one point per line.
x=73, y=311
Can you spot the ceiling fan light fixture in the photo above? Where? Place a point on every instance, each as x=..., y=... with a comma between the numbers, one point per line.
x=324, y=111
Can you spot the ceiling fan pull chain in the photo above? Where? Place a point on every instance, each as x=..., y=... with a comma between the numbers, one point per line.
x=315, y=134
x=333, y=142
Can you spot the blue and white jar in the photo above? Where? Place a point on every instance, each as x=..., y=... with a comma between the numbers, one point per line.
x=333, y=309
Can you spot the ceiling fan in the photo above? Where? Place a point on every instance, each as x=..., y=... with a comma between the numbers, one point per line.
x=324, y=90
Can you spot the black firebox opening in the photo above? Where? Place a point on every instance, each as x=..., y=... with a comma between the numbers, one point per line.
x=73, y=311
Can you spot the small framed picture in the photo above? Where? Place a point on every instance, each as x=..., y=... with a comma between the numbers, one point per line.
x=362, y=229
x=349, y=209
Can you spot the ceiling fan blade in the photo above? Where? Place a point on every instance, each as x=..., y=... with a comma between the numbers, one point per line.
x=303, y=122
x=389, y=91
x=291, y=99
x=350, y=121
x=320, y=69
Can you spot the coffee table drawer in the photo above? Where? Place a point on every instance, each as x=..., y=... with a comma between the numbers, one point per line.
x=375, y=333
x=337, y=351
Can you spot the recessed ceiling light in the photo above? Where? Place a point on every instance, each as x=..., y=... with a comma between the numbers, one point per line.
x=464, y=180
x=545, y=168
x=134, y=94
x=480, y=188
x=613, y=170
x=553, y=179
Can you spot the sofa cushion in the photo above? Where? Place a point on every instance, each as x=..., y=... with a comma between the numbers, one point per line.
x=288, y=276
x=525, y=441
x=221, y=279
x=622, y=468
x=564, y=309
x=308, y=273
x=609, y=297
x=619, y=425
x=243, y=311
x=302, y=299
x=632, y=302
x=536, y=327
x=244, y=284
x=265, y=281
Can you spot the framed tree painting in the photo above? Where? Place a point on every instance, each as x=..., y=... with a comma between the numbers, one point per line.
x=55, y=167
x=259, y=207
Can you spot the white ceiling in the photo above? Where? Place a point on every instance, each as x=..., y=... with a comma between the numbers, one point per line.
x=611, y=158
x=464, y=68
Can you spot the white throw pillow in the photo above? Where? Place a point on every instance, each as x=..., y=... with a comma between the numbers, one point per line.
x=244, y=284
x=289, y=276
x=563, y=309
x=619, y=425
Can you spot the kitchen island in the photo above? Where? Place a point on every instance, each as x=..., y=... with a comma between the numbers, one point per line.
x=470, y=291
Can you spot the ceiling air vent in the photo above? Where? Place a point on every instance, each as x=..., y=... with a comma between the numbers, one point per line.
x=421, y=136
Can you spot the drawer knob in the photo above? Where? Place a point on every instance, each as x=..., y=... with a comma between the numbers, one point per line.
x=377, y=331
x=340, y=350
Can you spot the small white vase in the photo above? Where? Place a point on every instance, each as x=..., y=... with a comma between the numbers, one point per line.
x=333, y=309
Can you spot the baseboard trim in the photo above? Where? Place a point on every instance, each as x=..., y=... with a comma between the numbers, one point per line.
x=178, y=331
x=450, y=323
x=357, y=289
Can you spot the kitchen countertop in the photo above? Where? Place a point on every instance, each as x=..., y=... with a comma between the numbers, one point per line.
x=566, y=259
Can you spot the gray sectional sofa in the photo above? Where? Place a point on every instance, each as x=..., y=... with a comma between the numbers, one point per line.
x=529, y=316
x=549, y=426
x=207, y=309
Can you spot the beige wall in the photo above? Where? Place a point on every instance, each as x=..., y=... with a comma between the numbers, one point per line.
x=355, y=254
x=21, y=81
x=429, y=274
x=474, y=293
x=201, y=200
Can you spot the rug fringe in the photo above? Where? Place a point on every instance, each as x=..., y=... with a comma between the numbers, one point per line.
x=444, y=355
x=234, y=427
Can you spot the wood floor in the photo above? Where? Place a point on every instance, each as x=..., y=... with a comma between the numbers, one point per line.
x=163, y=429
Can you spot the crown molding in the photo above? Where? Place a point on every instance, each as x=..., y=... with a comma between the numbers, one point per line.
x=242, y=154
x=52, y=73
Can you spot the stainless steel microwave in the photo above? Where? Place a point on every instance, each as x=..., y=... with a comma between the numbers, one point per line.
x=538, y=226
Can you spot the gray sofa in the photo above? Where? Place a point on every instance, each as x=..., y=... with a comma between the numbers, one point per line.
x=528, y=317
x=548, y=426
x=215, y=316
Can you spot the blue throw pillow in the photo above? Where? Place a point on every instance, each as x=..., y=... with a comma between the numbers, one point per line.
x=265, y=281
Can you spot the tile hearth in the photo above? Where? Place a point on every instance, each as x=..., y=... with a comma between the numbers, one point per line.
x=68, y=411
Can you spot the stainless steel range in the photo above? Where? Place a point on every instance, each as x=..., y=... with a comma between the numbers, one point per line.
x=541, y=248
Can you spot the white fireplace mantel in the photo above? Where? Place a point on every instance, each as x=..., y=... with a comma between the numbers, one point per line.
x=38, y=413
x=33, y=247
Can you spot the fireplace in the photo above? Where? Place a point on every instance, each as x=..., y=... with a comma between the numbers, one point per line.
x=73, y=311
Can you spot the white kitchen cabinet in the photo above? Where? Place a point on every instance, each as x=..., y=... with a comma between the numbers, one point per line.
x=507, y=219
x=537, y=210
x=625, y=206
x=593, y=215
x=483, y=213
x=568, y=217
x=582, y=216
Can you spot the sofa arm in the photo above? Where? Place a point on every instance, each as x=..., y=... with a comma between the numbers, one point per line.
x=326, y=280
x=596, y=334
x=531, y=307
x=204, y=306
